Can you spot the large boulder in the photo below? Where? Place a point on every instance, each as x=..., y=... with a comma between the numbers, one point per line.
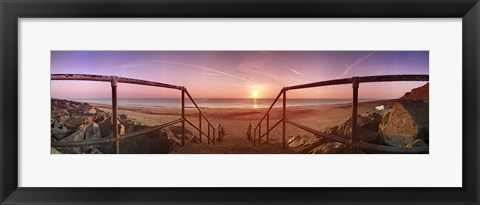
x=406, y=122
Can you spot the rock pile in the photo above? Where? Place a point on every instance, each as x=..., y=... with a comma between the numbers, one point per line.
x=75, y=121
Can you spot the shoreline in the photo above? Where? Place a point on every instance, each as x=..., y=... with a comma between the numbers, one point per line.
x=190, y=105
x=229, y=108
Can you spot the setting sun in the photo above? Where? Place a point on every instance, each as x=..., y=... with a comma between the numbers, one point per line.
x=254, y=93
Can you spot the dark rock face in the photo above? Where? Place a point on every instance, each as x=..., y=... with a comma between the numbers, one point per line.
x=406, y=122
x=420, y=93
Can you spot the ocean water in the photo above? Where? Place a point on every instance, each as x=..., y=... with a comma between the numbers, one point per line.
x=216, y=102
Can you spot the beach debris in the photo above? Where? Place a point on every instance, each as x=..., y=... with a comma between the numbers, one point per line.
x=380, y=107
x=406, y=122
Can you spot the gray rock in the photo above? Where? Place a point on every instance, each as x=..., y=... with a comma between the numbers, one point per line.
x=73, y=122
x=93, y=132
x=100, y=115
x=60, y=132
x=53, y=150
x=106, y=128
x=58, y=113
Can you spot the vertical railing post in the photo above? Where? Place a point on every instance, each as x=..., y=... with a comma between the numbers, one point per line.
x=284, y=117
x=208, y=138
x=213, y=137
x=355, y=86
x=183, y=116
x=200, y=127
x=219, y=127
x=268, y=125
x=259, y=134
x=115, y=114
x=254, y=136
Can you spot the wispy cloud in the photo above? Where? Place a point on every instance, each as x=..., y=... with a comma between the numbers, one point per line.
x=131, y=65
x=295, y=71
x=284, y=61
x=207, y=69
x=211, y=74
x=351, y=66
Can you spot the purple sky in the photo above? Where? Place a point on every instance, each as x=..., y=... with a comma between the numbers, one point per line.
x=236, y=74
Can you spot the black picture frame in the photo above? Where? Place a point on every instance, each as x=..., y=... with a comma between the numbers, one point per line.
x=11, y=11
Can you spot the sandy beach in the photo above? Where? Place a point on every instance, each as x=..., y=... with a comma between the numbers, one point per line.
x=236, y=121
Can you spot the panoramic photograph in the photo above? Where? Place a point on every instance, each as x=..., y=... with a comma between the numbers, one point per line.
x=239, y=102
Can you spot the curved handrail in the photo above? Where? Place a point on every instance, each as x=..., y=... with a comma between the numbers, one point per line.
x=103, y=78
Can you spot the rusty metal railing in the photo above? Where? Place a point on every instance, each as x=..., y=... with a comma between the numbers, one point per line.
x=355, y=81
x=114, y=80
